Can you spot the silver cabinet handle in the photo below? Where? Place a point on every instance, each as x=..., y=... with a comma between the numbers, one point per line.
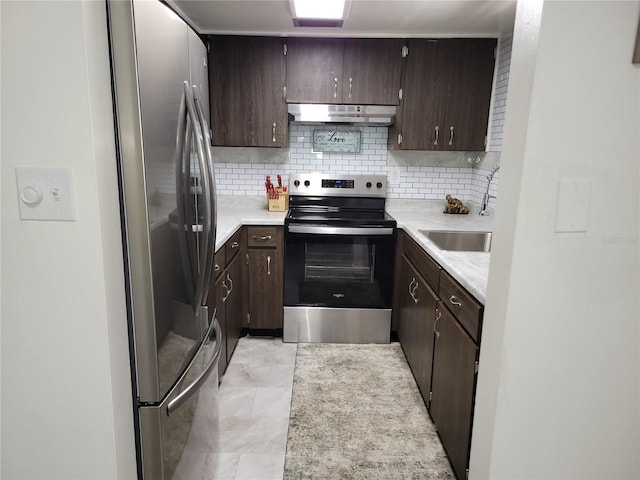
x=216, y=268
x=335, y=87
x=274, y=132
x=435, y=324
x=230, y=284
x=262, y=237
x=350, y=86
x=411, y=283
x=413, y=292
x=437, y=135
x=268, y=264
x=226, y=295
x=451, y=135
x=454, y=301
x=235, y=245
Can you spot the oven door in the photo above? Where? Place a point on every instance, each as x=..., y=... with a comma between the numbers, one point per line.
x=339, y=267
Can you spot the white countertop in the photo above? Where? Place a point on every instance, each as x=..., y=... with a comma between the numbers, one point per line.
x=236, y=211
x=470, y=269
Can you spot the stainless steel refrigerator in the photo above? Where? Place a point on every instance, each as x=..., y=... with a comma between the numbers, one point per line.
x=160, y=86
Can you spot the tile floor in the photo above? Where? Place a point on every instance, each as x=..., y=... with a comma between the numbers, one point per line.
x=248, y=438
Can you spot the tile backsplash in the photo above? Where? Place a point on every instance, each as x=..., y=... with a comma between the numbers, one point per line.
x=499, y=105
x=404, y=181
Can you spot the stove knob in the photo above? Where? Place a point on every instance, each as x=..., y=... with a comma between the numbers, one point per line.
x=368, y=184
x=379, y=184
x=307, y=183
x=297, y=183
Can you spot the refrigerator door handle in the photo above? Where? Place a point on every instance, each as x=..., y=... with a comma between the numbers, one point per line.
x=210, y=196
x=203, y=252
x=193, y=388
x=183, y=191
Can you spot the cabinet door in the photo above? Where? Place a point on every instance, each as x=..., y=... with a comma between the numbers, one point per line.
x=314, y=70
x=425, y=306
x=265, y=288
x=415, y=325
x=424, y=96
x=233, y=277
x=406, y=310
x=446, y=94
x=371, y=71
x=246, y=77
x=218, y=294
x=453, y=388
x=470, y=80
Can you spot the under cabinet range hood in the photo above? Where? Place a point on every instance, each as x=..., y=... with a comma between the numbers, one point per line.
x=382, y=115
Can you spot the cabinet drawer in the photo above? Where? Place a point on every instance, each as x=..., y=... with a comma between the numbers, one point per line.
x=465, y=308
x=425, y=265
x=233, y=246
x=219, y=262
x=262, y=236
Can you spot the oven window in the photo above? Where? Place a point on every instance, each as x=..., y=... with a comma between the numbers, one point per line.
x=338, y=271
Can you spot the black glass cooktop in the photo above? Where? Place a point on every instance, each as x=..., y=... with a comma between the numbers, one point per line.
x=339, y=216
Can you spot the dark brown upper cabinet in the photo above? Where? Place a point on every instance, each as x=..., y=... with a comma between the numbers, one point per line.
x=446, y=94
x=247, y=78
x=343, y=71
x=314, y=70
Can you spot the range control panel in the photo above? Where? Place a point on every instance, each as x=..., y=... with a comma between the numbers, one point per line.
x=321, y=184
x=332, y=183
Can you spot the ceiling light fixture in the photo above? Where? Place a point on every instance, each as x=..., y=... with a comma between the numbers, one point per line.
x=314, y=13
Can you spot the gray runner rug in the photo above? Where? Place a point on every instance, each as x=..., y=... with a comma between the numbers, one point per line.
x=356, y=413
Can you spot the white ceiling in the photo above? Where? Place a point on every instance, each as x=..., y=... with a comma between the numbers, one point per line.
x=367, y=18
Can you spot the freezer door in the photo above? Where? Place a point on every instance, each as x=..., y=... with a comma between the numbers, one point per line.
x=186, y=418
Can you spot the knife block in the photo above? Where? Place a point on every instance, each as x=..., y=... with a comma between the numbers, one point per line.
x=280, y=204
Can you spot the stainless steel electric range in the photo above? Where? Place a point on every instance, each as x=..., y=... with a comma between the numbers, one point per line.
x=339, y=259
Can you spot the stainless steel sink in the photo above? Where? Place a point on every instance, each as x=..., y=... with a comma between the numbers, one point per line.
x=460, y=241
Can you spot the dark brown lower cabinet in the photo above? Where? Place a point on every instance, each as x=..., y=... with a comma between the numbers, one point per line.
x=453, y=388
x=440, y=344
x=233, y=304
x=266, y=277
x=417, y=305
x=228, y=294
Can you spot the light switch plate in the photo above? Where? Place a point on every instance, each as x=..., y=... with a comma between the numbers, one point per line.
x=45, y=193
x=572, y=210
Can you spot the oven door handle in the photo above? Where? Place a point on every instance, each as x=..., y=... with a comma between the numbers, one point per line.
x=327, y=230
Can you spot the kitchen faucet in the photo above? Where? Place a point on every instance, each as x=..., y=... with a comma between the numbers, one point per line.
x=486, y=197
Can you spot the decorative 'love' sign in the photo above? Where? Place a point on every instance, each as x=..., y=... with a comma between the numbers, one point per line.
x=343, y=141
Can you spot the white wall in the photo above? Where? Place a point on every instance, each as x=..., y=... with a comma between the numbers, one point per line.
x=66, y=406
x=558, y=389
